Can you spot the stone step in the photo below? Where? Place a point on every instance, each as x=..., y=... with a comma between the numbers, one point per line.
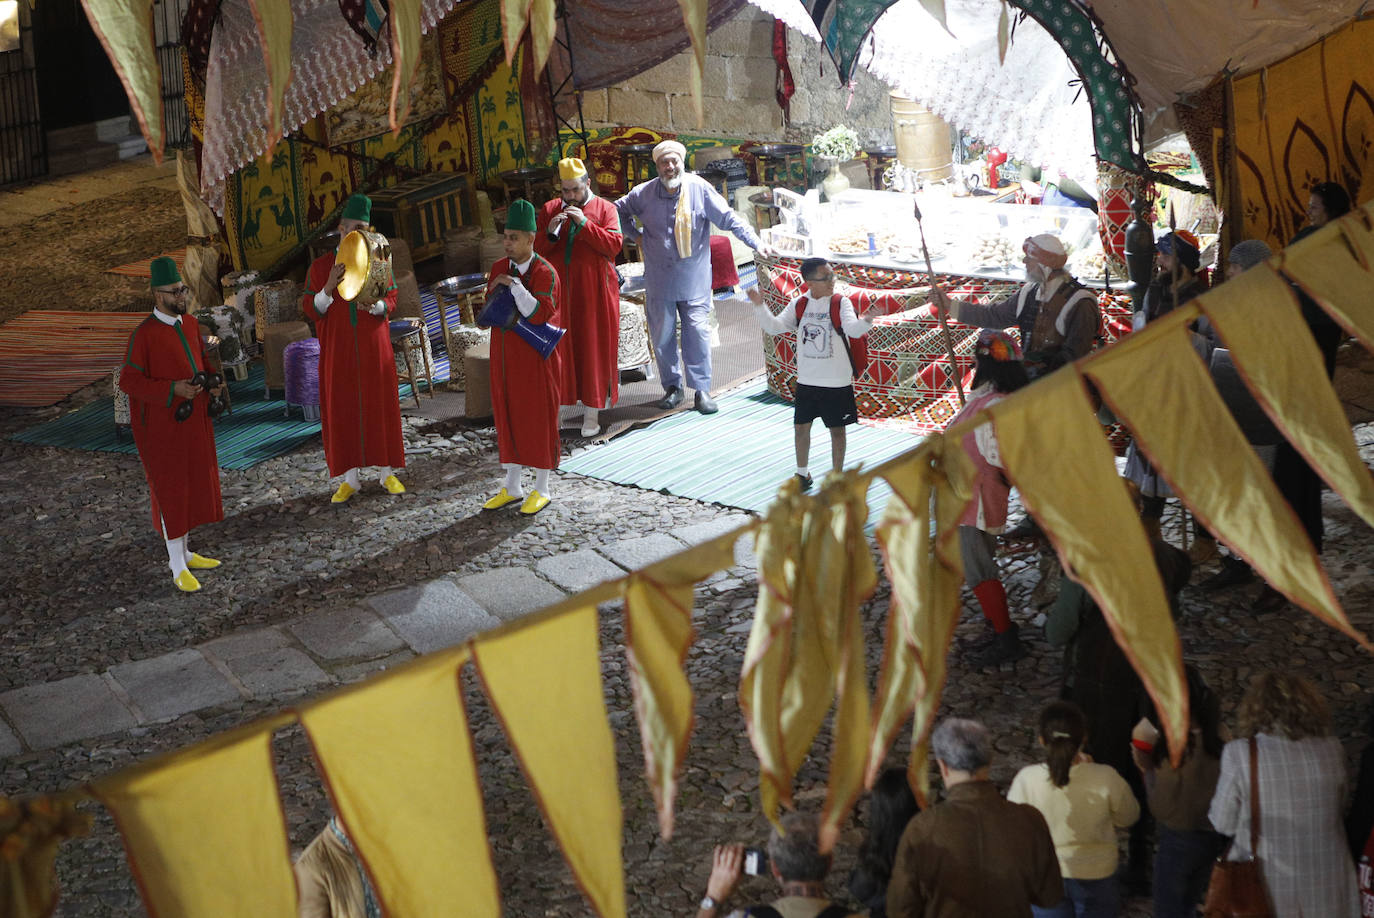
x=94, y=153
x=107, y=130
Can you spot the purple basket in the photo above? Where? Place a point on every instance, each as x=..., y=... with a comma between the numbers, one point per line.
x=301, y=364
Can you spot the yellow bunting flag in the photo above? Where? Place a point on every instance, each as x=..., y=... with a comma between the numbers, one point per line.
x=1338, y=277
x=694, y=18
x=275, y=24
x=1191, y=439
x=541, y=18
x=1055, y=453
x=397, y=758
x=838, y=575
x=1284, y=370
x=926, y=575
x=544, y=682
x=205, y=831
x=768, y=654
x=658, y=633
x=30, y=832
x=805, y=648
x=125, y=30
x=406, y=48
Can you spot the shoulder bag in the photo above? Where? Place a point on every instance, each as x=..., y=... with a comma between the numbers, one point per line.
x=1237, y=888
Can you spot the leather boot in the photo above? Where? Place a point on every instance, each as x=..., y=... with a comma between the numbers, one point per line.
x=1005, y=648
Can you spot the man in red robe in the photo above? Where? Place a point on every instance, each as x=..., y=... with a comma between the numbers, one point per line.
x=165, y=352
x=360, y=406
x=524, y=385
x=579, y=234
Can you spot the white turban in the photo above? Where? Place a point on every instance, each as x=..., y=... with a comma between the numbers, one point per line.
x=1046, y=249
x=669, y=146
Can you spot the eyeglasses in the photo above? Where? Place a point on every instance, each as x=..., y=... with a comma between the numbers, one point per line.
x=823, y=279
x=177, y=291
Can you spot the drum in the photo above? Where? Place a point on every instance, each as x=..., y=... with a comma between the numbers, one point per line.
x=275, y=303
x=366, y=257
x=461, y=340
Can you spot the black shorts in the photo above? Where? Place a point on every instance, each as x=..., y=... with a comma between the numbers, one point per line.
x=834, y=405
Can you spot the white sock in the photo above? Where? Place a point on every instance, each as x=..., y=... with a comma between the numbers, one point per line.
x=176, y=555
x=513, y=487
x=803, y=471
x=351, y=479
x=186, y=550
x=541, y=481
x=591, y=417
x=384, y=473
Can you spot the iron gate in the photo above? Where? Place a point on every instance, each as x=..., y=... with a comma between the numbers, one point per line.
x=168, y=16
x=23, y=148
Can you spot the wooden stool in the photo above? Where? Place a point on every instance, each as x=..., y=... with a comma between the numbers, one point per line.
x=409, y=335
x=637, y=163
x=775, y=162
x=534, y=184
x=276, y=339
x=879, y=158
x=477, y=370
x=216, y=363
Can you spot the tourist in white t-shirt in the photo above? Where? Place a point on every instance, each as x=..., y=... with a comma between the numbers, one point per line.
x=825, y=376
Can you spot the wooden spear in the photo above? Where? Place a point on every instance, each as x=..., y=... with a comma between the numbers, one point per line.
x=940, y=309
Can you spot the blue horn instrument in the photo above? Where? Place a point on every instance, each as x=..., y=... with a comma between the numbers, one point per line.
x=500, y=312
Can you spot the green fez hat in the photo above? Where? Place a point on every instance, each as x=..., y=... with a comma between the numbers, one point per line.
x=164, y=272
x=358, y=207
x=520, y=215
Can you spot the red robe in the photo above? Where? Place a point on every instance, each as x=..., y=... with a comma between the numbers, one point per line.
x=360, y=404
x=584, y=257
x=524, y=386
x=178, y=458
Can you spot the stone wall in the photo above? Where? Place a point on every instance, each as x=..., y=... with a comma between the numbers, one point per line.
x=739, y=91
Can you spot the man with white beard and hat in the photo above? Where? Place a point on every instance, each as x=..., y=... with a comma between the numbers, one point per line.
x=1058, y=317
x=675, y=213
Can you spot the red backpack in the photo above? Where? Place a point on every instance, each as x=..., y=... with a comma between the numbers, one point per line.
x=855, y=348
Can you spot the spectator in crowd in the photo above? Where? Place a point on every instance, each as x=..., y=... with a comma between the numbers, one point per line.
x=998, y=372
x=891, y=806
x=797, y=864
x=1327, y=201
x=1303, y=852
x=331, y=880
x=676, y=212
x=1254, y=423
x=1084, y=803
x=825, y=363
x=1359, y=821
x=1179, y=797
x=1175, y=283
x=973, y=853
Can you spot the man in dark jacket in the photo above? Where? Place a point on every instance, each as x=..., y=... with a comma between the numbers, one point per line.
x=973, y=855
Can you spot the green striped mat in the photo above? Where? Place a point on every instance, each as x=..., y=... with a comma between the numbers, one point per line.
x=259, y=429
x=737, y=457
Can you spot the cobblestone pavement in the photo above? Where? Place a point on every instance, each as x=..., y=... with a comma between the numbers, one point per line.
x=102, y=663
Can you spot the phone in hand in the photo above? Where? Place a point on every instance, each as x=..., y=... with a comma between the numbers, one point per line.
x=755, y=861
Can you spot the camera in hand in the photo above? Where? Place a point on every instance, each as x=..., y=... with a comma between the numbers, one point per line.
x=755, y=861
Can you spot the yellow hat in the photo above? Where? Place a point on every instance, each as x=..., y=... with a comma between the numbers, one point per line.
x=571, y=168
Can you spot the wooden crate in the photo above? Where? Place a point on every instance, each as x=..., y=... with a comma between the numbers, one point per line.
x=422, y=209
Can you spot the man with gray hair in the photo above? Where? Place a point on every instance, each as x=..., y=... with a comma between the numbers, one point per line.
x=973, y=855
x=675, y=213
x=796, y=862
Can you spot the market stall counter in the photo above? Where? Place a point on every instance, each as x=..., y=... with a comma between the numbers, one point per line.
x=874, y=244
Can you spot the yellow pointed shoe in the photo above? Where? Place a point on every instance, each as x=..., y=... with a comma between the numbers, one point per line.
x=345, y=491
x=503, y=498
x=393, y=485
x=201, y=563
x=534, y=503
x=186, y=582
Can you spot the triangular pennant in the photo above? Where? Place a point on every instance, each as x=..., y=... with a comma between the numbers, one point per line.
x=1284, y=370
x=658, y=633
x=1332, y=274
x=544, y=682
x=925, y=570
x=1225, y=483
x=1084, y=508
x=515, y=16
x=694, y=18
x=403, y=22
x=205, y=831
x=543, y=25
x=376, y=744
x=125, y=30
x=275, y=24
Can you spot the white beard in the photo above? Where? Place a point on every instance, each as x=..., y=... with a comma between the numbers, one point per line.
x=672, y=184
x=1037, y=272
